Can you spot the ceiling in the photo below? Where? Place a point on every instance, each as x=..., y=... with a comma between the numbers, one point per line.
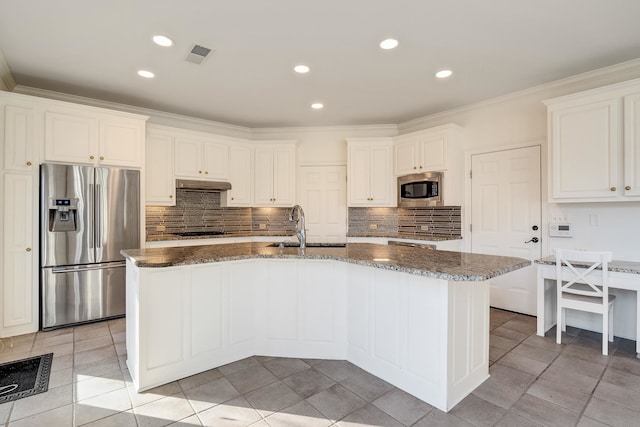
x=94, y=49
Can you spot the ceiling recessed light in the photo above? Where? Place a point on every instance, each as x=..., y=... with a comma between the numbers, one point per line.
x=317, y=106
x=388, y=44
x=302, y=69
x=442, y=74
x=146, y=74
x=162, y=40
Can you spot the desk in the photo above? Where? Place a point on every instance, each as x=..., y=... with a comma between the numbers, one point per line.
x=622, y=275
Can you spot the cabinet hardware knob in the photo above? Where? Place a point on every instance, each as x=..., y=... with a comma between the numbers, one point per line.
x=171, y=196
x=28, y=163
x=233, y=198
x=91, y=157
x=206, y=172
x=420, y=167
x=199, y=171
x=613, y=188
x=28, y=249
x=414, y=168
x=628, y=187
x=101, y=157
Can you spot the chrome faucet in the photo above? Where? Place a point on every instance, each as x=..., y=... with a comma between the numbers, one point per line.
x=301, y=233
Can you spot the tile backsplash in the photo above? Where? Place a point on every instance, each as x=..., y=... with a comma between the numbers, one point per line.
x=406, y=222
x=201, y=211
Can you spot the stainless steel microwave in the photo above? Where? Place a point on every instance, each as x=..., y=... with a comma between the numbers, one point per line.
x=420, y=190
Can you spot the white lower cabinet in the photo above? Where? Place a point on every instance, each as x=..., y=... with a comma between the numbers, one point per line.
x=19, y=293
x=427, y=336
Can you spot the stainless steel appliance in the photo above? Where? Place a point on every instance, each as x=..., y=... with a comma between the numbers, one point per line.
x=420, y=190
x=87, y=215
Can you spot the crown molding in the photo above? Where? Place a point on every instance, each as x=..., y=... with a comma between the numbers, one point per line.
x=387, y=129
x=6, y=79
x=600, y=77
x=155, y=116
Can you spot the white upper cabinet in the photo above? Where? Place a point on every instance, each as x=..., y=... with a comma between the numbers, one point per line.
x=19, y=138
x=160, y=181
x=201, y=157
x=87, y=136
x=632, y=144
x=594, y=145
x=275, y=171
x=369, y=172
x=423, y=151
x=240, y=175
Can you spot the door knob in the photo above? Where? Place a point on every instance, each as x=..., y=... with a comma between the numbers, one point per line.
x=534, y=228
x=628, y=187
x=533, y=239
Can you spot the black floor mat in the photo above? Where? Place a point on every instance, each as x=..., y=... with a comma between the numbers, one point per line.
x=25, y=377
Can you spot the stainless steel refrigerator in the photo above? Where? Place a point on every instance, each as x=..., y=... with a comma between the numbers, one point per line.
x=87, y=216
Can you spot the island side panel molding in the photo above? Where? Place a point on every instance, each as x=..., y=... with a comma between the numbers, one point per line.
x=468, y=319
x=206, y=320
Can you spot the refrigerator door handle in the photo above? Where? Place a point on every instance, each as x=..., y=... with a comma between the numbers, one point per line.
x=91, y=232
x=75, y=269
x=98, y=217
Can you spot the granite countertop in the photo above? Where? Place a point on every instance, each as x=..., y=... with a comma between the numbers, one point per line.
x=619, y=266
x=445, y=265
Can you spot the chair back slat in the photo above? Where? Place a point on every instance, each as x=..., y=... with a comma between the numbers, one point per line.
x=586, y=273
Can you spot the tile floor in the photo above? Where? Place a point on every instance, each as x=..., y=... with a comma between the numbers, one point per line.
x=533, y=382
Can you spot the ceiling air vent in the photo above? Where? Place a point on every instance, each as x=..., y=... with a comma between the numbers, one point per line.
x=198, y=54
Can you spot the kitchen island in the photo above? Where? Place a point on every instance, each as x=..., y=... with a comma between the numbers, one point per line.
x=417, y=318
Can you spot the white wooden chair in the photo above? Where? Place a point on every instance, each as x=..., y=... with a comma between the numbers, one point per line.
x=584, y=288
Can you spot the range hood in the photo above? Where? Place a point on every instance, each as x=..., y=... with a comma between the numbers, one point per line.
x=213, y=186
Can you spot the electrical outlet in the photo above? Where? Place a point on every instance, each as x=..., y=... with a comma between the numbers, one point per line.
x=373, y=226
x=424, y=227
x=160, y=228
x=262, y=226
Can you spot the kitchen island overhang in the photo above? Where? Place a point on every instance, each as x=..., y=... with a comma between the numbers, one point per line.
x=417, y=318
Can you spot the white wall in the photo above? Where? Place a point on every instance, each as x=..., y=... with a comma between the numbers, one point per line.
x=323, y=145
x=521, y=118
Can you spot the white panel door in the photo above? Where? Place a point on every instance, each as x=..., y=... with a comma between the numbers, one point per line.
x=505, y=206
x=160, y=182
x=284, y=170
x=381, y=175
x=323, y=196
x=70, y=138
x=216, y=160
x=263, y=184
x=240, y=175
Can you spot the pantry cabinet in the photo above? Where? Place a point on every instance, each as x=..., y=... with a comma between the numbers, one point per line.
x=424, y=151
x=275, y=170
x=201, y=157
x=160, y=181
x=84, y=135
x=369, y=172
x=20, y=138
x=594, y=145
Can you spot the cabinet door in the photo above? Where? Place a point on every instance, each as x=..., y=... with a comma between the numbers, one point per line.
x=70, y=138
x=358, y=175
x=433, y=153
x=381, y=176
x=632, y=145
x=18, y=138
x=121, y=143
x=160, y=183
x=18, y=291
x=240, y=176
x=216, y=161
x=584, y=152
x=263, y=181
x=405, y=158
x=188, y=156
x=284, y=171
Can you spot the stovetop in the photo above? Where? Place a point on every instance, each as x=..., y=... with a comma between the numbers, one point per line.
x=198, y=233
